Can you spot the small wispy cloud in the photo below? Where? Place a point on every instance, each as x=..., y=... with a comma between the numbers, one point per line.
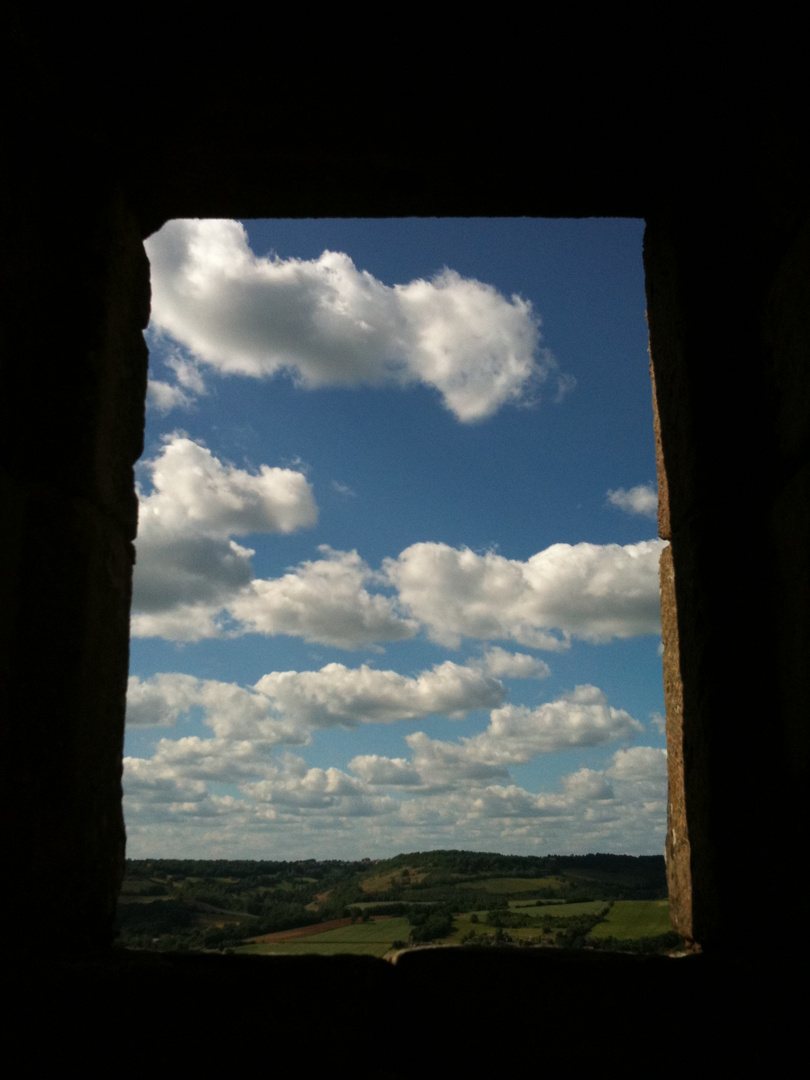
x=164, y=397
x=642, y=499
x=658, y=722
x=183, y=393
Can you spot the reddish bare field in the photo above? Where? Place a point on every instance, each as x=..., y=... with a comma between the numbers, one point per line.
x=305, y=931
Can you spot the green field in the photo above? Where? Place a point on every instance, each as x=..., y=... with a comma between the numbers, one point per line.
x=464, y=926
x=373, y=938
x=625, y=921
x=630, y=919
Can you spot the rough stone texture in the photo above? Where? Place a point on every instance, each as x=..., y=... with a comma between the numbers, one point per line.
x=664, y=527
x=678, y=854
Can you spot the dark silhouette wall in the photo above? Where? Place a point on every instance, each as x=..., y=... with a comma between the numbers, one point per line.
x=105, y=144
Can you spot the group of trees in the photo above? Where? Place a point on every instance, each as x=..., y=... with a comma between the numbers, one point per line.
x=430, y=924
x=172, y=903
x=568, y=930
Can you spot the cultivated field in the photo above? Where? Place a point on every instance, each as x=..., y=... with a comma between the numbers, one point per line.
x=265, y=906
x=374, y=938
x=629, y=919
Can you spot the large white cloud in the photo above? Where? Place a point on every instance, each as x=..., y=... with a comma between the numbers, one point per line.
x=588, y=784
x=325, y=600
x=587, y=591
x=192, y=585
x=341, y=695
x=325, y=322
x=175, y=782
x=233, y=711
x=195, y=491
x=284, y=706
x=192, y=758
x=513, y=802
x=580, y=718
x=515, y=734
x=188, y=563
x=442, y=764
x=295, y=787
x=162, y=699
x=193, y=581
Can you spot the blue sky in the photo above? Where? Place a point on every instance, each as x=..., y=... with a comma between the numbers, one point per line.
x=396, y=584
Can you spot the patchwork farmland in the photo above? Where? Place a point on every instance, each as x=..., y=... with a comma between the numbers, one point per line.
x=444, y=898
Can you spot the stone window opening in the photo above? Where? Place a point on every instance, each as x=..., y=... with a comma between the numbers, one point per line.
x=348, y=661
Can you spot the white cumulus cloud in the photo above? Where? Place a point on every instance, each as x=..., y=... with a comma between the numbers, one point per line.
x=195, y=492
x=514, y=735
x=593, y=592
x=188, y=564
x=507, y=665
x=384, y=771
x=580, y=718
x=284, y=706
x=233, y=711
x=348, y=696
x=324, y=322
x=326, y=601
x=639, y=764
